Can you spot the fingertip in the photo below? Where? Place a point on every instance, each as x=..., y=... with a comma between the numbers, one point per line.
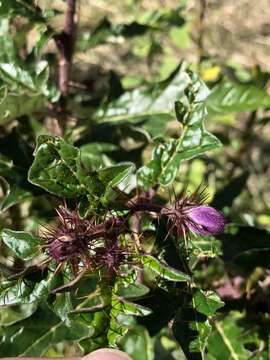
x=107, y=354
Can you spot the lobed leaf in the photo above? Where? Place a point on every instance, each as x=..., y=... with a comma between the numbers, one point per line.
x=129, y=308
x=113, y=176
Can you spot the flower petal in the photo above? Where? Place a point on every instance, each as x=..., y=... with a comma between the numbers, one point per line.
x=205, y=220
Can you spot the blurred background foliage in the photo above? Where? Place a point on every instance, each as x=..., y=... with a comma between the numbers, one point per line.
x=122, y=47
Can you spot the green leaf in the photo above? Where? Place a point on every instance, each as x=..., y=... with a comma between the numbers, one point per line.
x=227, y=341
x=93, y=298
x=204, y=330
x=45, y=34
x=132, y=291
x=129, y=308
x=92, y=155
x=147, y=104
x=149, y=22
x=56, y=167
x=227, y=97
x=202, y=248
x=16, y=292
x=163, y=270
x=114, y=321
x=25, y=8
x=14, y=195
x=12, y=182
x=166, y=346
x=20, y=339
x=34, y=81
x=14, y=75
x=23, y=244
x=138, y=344
x=13, y=105
x=10, y=315
x=24, y=91
x=113, y=176
x=105, y=30
x=207, y=302
x=195, y=140
x=7, y=46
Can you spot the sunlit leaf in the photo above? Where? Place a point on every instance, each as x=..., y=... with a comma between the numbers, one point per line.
x=137, y=339
x=94, y=157
x=14, y=292
x=22, y=243
x=56, y=166
x=163, y=270
x=195, y=140
x=10, y=315
x=14, y=196
x=228, y=97
x=14, y=105
x=199, y=344
x=226, y=342
x=132, y=290
x=151, y=105
x=130, y=308
x=113, y=176
x=207, y=302
x=20, y=339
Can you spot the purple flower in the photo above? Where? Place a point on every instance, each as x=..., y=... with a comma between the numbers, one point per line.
x=204, y=220
x=190, y=214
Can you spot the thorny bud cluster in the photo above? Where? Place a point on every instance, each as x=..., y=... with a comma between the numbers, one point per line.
x=97, y=245
x=75, y=239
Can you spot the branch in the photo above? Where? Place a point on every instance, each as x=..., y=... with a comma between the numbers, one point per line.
x=201, y=28
x=65, y=44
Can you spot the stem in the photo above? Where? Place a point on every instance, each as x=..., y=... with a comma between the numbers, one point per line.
x=200, y=41
x=110, y=227
x=145, y=207
x=144, y=203
x=65, y=44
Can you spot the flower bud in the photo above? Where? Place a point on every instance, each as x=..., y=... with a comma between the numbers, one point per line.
x=65, y=247
x=205, y=220
x=190, y=214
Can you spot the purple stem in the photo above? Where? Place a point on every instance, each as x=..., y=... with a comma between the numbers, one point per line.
x=65, y=44
x=141, y=206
